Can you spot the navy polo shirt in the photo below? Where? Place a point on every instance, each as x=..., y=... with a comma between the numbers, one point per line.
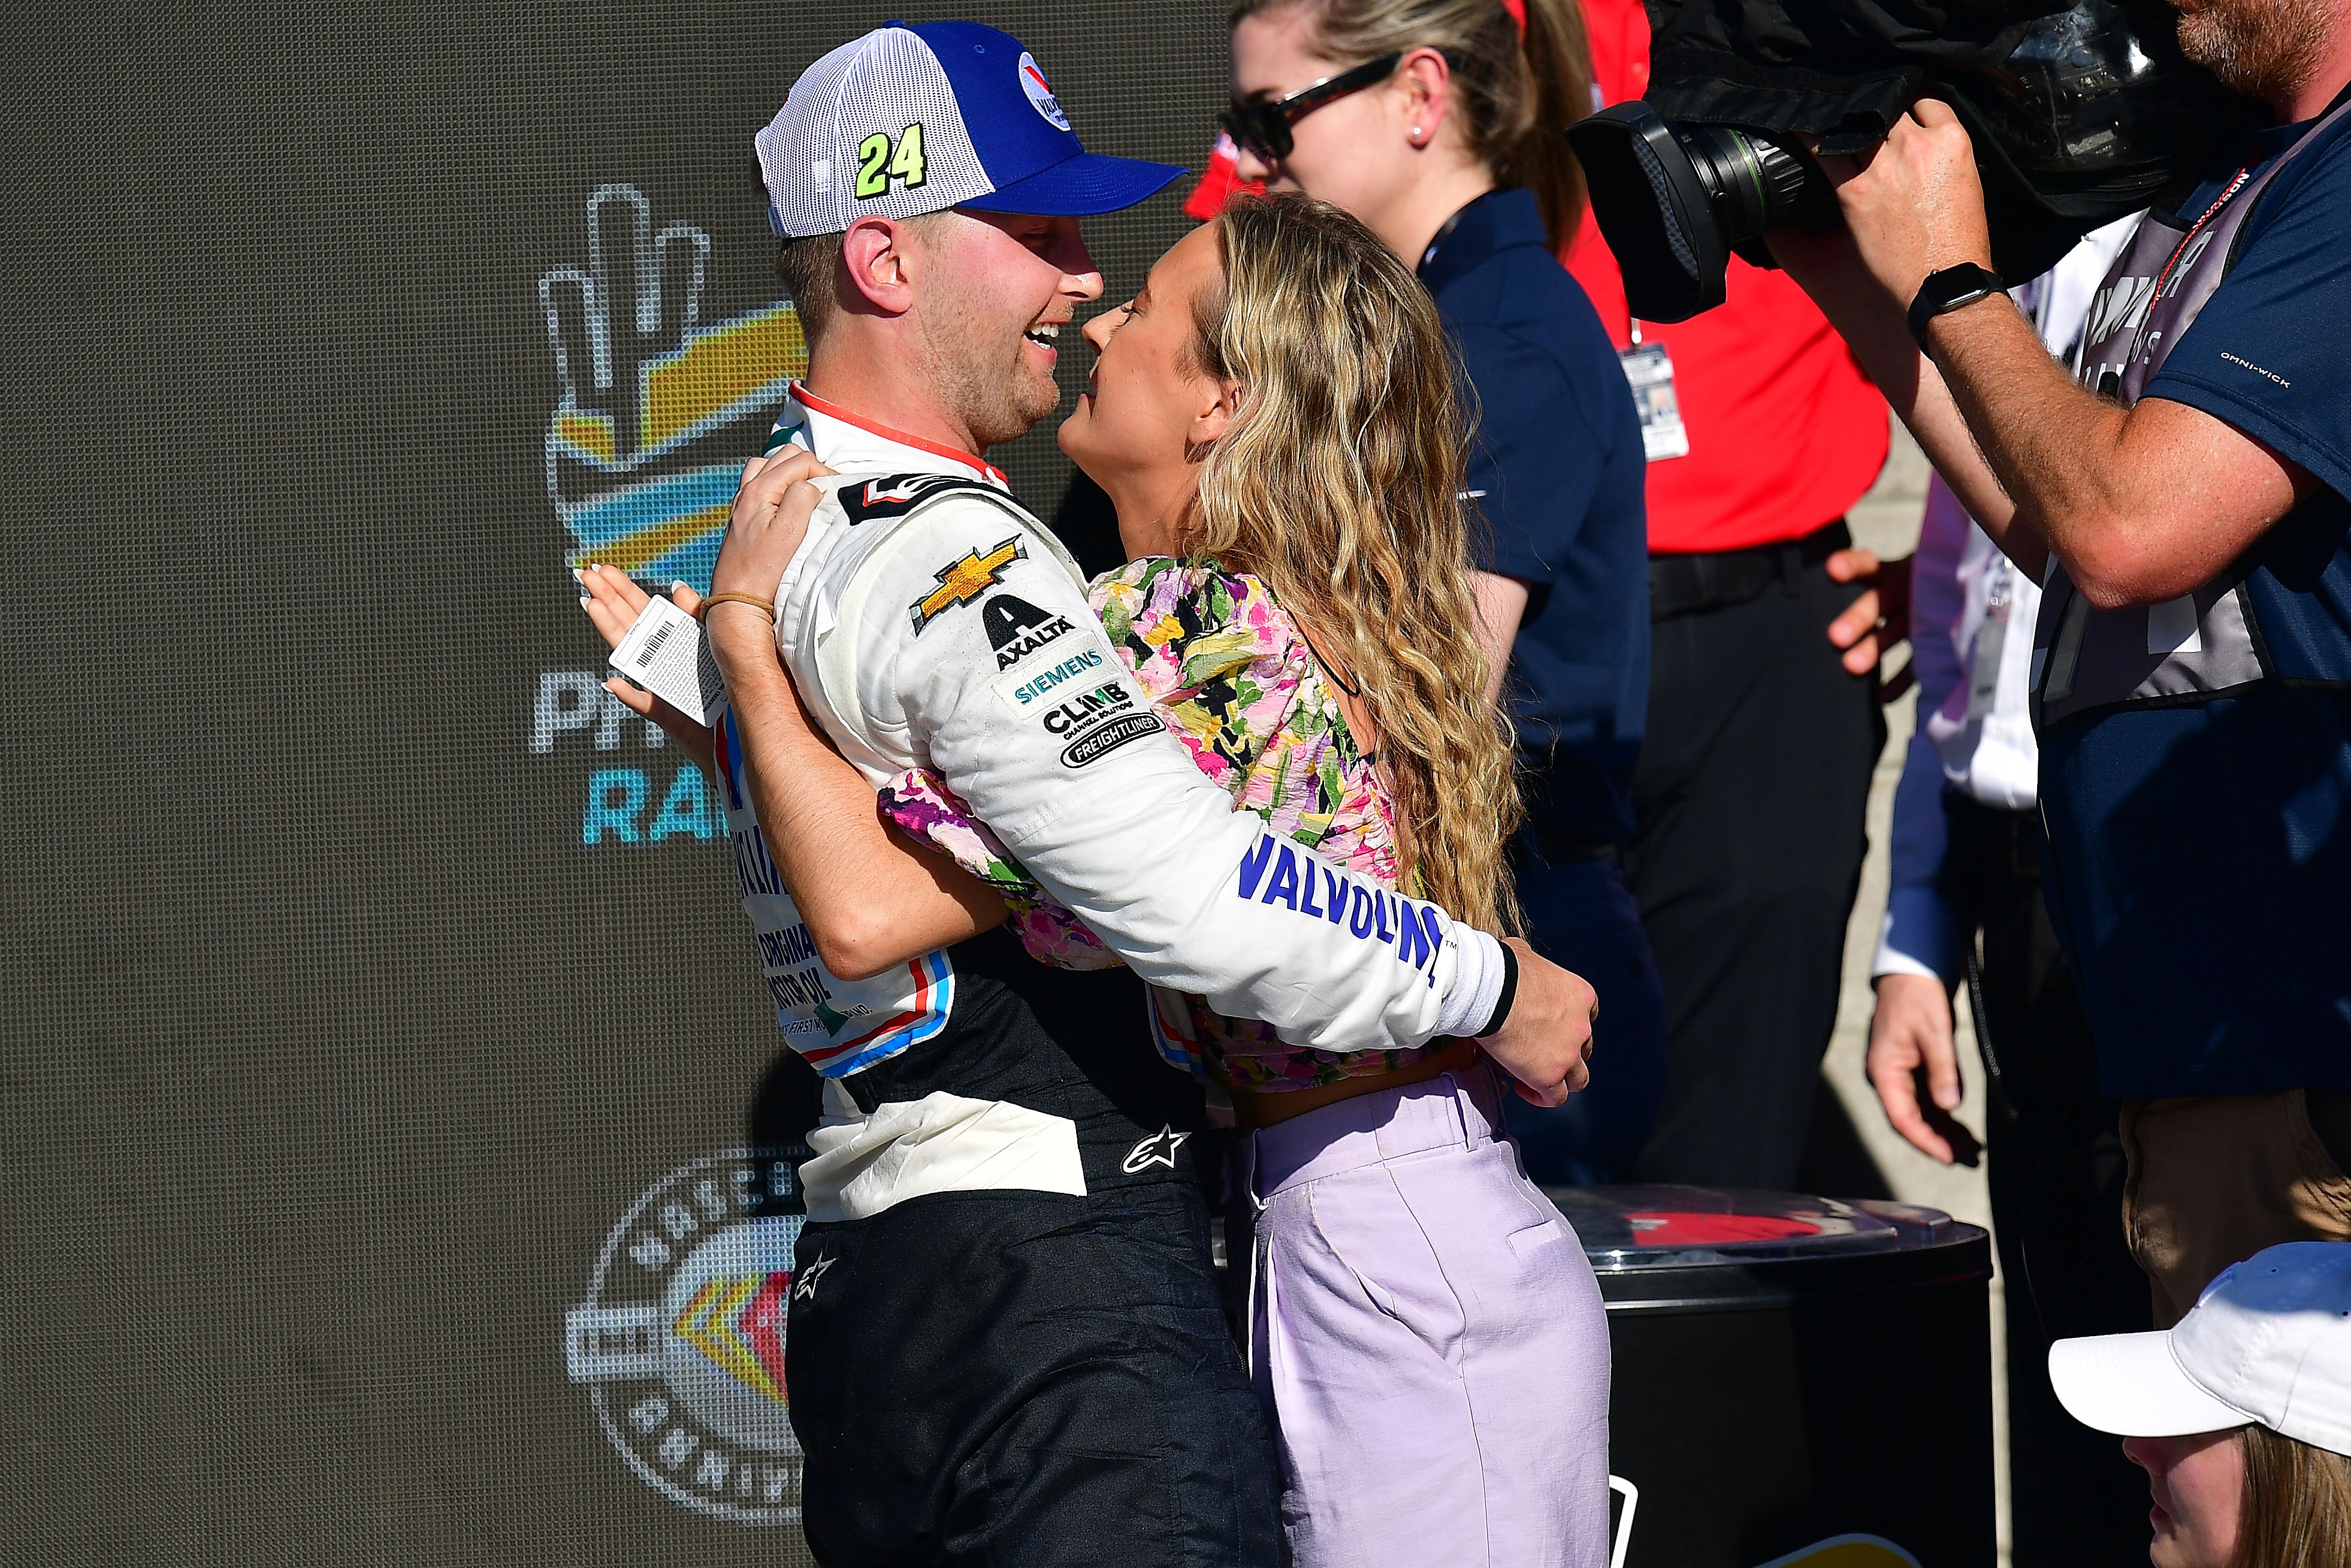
x=2202, y=849
x=1558, y=470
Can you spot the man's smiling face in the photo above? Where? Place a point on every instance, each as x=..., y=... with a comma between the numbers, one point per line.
x=997, y=292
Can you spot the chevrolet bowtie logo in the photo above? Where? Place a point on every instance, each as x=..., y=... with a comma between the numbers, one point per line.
x=961, y=582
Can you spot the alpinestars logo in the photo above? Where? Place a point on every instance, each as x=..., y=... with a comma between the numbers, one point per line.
x=1159, y=1149
x=806, y=1289
x=1017, y=627
x=680, y=1339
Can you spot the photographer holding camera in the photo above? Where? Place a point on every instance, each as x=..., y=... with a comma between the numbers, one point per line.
x=2184, y=508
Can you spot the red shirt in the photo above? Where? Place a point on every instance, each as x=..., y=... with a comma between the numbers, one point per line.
x=1786, y=432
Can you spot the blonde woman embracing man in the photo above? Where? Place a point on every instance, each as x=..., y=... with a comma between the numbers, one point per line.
x=1005, y=1343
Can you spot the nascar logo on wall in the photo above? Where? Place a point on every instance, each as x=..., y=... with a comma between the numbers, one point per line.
x=680, y=1339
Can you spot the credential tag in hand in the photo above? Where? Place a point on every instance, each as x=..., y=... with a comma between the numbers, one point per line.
x=1650, y=374
x=667, y=654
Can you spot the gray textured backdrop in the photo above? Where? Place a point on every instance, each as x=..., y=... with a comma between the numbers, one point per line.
x=334, y=1052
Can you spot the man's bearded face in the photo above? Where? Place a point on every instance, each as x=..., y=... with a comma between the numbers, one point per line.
x=2264, y=47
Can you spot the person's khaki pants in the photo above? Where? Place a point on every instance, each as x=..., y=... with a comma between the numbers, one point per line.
x=2213, y=1180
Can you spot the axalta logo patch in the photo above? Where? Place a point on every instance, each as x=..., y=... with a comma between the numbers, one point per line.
x=680, y=1339
x=1041, y=92
x=1017, y=627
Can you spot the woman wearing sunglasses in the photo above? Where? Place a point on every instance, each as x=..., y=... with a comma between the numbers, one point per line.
x=1437, y=123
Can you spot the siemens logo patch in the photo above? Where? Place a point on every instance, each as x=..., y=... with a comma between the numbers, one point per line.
x=1296, y=878
x=1036, y=688
x=1108, y=738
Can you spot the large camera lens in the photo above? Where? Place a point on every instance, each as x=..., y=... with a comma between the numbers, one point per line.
x=1752, y=182
x=1676, y=201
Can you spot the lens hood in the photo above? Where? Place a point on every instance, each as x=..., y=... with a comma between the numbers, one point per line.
x=1650, y=205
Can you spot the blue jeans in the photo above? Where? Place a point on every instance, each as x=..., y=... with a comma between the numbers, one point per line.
x=1579, y=916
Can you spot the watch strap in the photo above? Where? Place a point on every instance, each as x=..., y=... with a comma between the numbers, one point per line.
x=1950, y=289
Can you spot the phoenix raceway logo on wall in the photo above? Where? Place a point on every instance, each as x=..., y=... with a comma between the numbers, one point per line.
x=680, y=1339
x=658, y=413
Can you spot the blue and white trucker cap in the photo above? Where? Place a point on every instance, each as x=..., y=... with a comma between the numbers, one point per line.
x=916, y=118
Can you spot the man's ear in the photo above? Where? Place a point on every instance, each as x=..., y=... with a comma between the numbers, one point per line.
x=878, y=255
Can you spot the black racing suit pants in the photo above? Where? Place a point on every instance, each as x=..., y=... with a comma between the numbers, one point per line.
x=1026, y=1380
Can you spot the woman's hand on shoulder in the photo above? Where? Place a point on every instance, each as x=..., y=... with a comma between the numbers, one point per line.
x=765, y=529
x=613, y=602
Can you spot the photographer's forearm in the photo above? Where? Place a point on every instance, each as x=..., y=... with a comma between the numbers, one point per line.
x=1874, y=327
x=2052, y=445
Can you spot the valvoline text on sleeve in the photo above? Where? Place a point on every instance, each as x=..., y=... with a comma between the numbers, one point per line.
x=1299, y=881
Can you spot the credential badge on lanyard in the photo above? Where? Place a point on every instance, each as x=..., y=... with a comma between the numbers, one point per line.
x=1650, y=374
x=1991, y=640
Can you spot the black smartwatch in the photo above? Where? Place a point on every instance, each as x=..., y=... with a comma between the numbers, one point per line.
x=1947, y=290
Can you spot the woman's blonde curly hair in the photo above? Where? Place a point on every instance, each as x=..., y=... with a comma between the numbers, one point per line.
x=1339, y=482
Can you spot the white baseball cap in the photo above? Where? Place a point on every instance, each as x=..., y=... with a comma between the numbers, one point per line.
x=910, y=120
x=2268, y=1342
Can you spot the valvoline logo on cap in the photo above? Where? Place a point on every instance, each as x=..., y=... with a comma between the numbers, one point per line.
x=1041, y=92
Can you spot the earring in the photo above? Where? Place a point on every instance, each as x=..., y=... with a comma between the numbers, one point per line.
x=1417, y=135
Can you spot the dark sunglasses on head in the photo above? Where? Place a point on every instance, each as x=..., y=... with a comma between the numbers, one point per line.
x=1263, y=128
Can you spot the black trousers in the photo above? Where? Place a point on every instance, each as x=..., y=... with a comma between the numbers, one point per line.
x=2056, y=1178
x=991, y=1379
x=1753, y=778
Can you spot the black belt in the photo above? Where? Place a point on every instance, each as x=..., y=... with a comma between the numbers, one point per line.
x=1557, y=847
x=1992, y=839
x=1681, y=584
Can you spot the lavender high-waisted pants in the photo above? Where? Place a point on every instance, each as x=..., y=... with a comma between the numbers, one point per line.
x=1426, y=1336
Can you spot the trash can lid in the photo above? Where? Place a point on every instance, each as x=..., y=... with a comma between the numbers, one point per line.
x=1645, y=1227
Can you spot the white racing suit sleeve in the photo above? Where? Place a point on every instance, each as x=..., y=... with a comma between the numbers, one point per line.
x=972, y=649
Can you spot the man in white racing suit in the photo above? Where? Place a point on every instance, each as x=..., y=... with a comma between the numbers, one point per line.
x=1004, y=1340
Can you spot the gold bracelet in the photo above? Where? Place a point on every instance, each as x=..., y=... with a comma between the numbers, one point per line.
x=765, y=606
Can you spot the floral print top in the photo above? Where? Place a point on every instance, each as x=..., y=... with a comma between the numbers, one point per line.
x=1228, y=669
